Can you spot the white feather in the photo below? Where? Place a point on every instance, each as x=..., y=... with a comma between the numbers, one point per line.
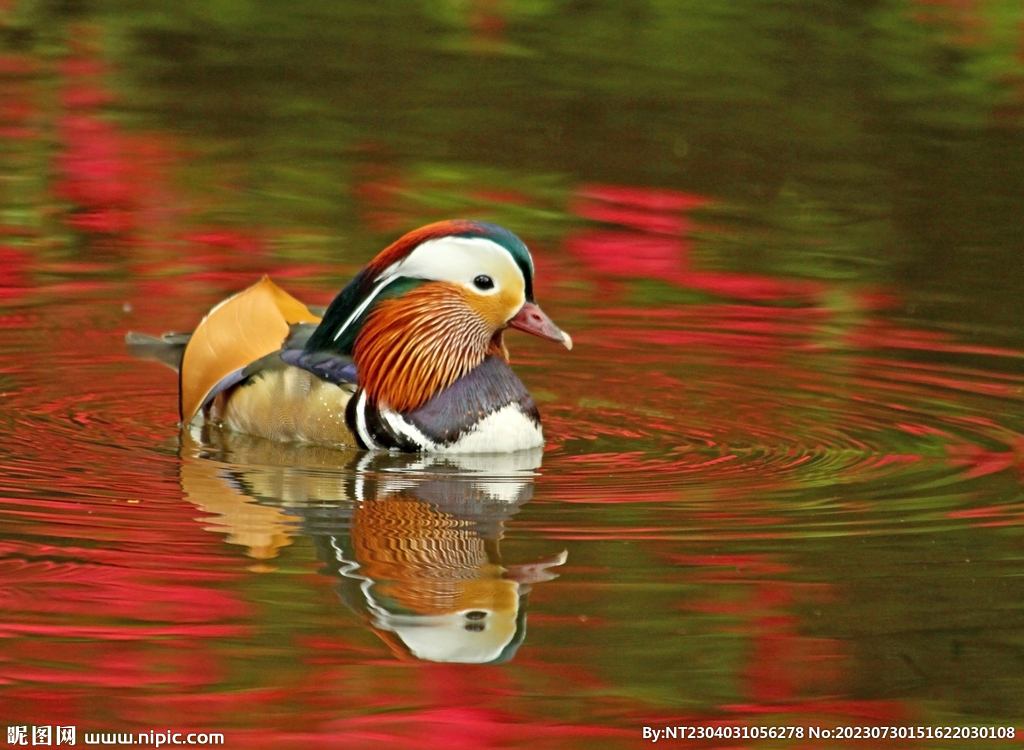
x=459, y=260
x=363, y=305
x=361, y=428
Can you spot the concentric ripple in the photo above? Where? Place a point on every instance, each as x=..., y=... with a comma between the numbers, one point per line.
x=694, y=406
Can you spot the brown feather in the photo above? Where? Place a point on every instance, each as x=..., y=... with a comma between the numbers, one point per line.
x=412, y=347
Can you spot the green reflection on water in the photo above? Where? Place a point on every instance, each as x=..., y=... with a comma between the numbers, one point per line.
x=875, y=142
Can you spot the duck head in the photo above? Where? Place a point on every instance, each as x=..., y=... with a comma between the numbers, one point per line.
x=430, y=308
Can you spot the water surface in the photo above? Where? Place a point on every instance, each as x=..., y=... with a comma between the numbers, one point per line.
x=782, y=483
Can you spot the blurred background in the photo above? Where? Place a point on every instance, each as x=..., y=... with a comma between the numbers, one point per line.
x=867, y=142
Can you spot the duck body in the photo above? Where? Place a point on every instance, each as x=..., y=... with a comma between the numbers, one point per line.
x=409, y=356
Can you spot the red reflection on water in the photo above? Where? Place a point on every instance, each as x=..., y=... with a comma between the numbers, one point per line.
x=378, y=190
x=784, y=670
x=111, y=178
x=111, y=587
x=16, y=110
x=17, y=65
x=624, y=254
x=117, y=192
x=650, y=199
x=443, y=728
x=123, y=617
x=225, y=242
x=98, y=176
x=15, y=279
x=784, y=665
x=876, y=334
x=979, y=461
x=19, y=111
x=656, y=244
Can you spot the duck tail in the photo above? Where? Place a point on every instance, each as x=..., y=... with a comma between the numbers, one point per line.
x=168, y=349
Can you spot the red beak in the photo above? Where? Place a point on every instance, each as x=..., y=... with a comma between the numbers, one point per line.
x=533, y=320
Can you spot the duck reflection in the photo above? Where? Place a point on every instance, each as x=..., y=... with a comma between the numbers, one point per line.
x=412, y=539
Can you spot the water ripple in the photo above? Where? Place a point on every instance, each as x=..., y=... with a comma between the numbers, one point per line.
x=739, y=414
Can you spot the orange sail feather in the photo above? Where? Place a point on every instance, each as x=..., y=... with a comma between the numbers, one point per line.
x=245, y=327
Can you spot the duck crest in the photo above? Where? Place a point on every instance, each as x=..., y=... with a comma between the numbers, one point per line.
x=411, y=347
x=401, y=247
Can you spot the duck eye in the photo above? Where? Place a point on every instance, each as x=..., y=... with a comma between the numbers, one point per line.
x=483, y=283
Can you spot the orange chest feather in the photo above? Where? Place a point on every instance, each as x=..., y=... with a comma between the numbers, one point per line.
x=412, y=347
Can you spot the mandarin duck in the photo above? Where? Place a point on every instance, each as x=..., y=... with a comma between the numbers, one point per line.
x=409, y=356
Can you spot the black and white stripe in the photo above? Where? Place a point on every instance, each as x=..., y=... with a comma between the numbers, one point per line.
x=486, y=410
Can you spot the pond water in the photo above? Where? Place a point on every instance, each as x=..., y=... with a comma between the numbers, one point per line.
x=782, y=486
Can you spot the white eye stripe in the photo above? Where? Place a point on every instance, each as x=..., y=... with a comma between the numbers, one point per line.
x=458, y=259
x=363, y=305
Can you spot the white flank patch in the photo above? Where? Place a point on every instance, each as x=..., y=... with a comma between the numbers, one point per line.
x=503, y=431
